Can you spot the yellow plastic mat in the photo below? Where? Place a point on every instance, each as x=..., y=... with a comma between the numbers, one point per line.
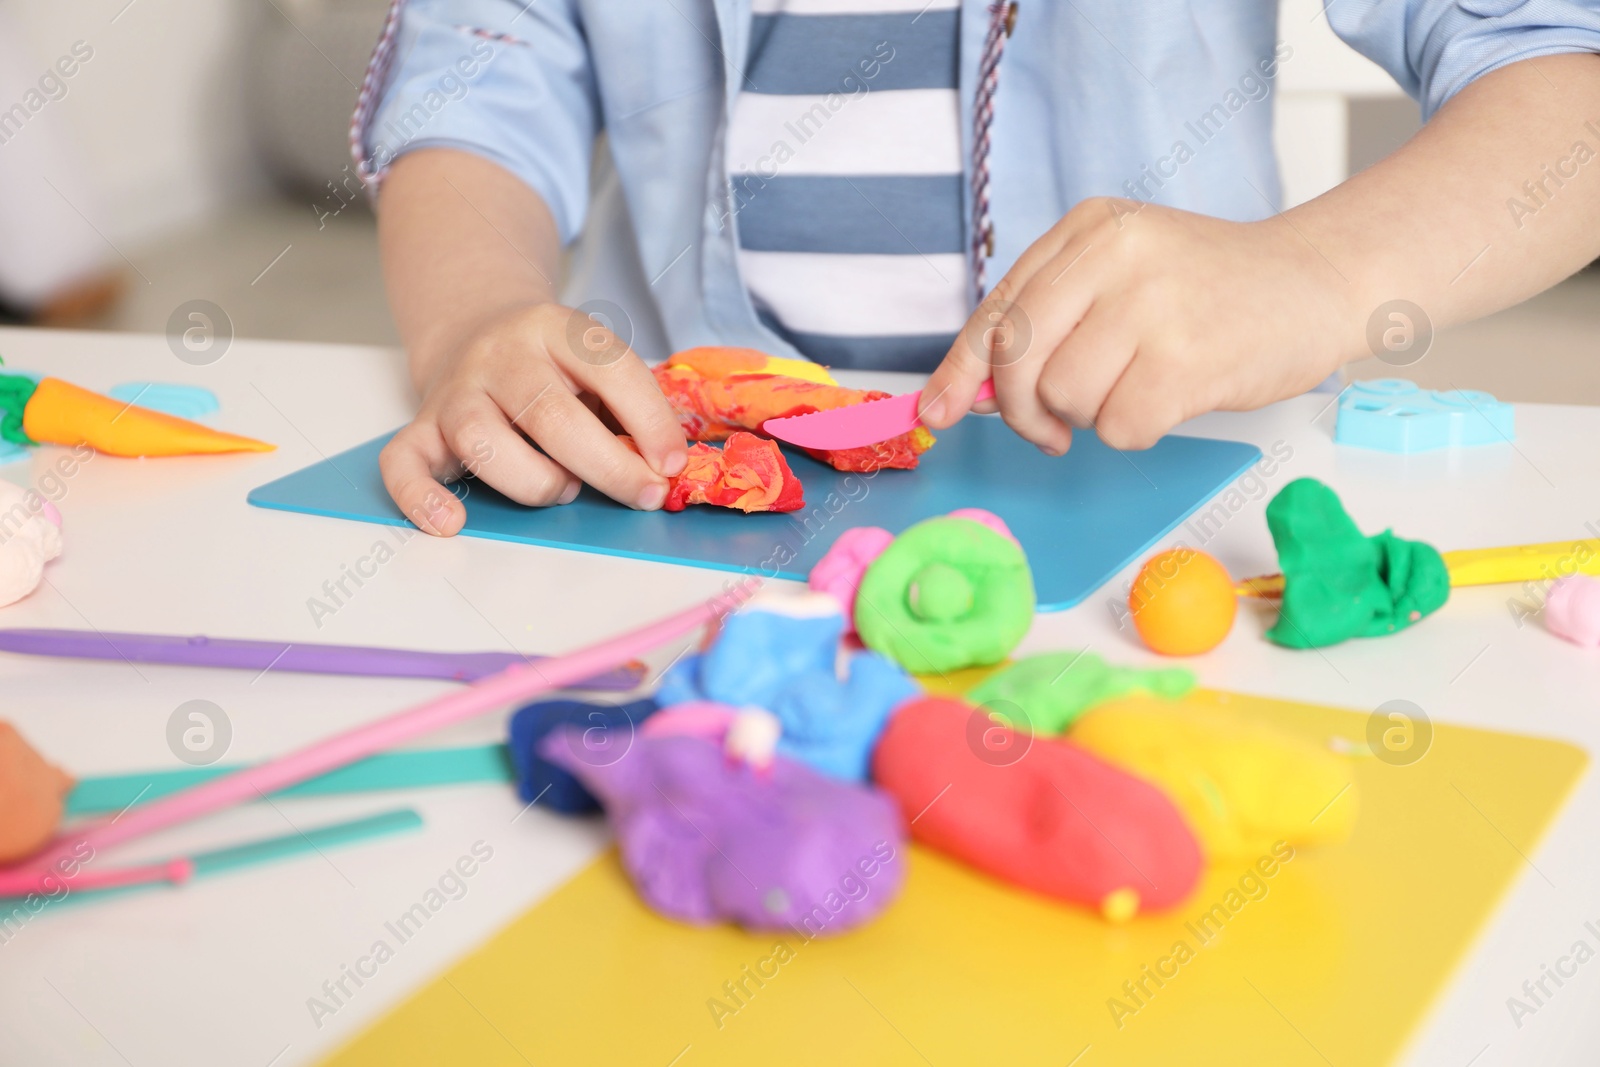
x=1333, y=958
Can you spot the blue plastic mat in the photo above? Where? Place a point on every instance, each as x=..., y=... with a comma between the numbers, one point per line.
x=1081, y=517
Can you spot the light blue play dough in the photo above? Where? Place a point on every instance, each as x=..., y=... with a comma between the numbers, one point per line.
x=184, y=401
x=789, y=665
x=1395, y=415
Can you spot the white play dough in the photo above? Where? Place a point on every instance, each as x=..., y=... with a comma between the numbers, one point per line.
x=30, y=537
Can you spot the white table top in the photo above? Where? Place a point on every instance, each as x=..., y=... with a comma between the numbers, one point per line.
x=220, y=971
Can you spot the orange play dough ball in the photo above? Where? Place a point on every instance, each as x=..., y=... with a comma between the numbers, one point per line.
x=1183, y=602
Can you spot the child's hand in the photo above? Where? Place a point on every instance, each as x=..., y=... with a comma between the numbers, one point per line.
x=543, y=370
x=1131, y=318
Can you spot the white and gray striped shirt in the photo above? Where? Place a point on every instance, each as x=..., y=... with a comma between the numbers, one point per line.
x=844, y=156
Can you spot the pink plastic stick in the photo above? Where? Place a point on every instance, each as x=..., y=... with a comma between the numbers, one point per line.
x=175, y=871
x=515, y=683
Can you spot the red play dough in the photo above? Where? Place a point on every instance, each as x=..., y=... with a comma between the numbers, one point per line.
x=1038, y=812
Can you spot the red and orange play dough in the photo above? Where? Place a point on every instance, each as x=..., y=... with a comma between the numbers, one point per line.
x=1183, y=602
x=1037, y=812
x=747, y=473
x=719, y=391
x=60, y=413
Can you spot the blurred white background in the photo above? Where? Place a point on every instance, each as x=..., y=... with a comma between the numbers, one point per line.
x=200, y=153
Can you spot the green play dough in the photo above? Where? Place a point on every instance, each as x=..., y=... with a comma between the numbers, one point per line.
x=1339, y=583
x=940, y=593
x=948, y=593
x=1046, y=693
x=15, y=392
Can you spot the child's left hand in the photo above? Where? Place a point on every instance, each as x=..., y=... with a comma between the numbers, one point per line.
x=1129, y=318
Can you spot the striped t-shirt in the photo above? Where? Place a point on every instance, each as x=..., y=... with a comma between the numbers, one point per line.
x=844, y=154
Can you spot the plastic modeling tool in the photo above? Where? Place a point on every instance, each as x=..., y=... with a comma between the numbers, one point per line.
x=407, y=769
x=857, y=425
x=514, y=684
x=269, y=850
x=1484, y=566
x=199, y=651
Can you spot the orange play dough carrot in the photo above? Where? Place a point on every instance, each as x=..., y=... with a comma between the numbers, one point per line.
x=61, y=413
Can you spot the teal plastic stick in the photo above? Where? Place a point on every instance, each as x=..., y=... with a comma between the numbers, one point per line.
x=254, y=853
x=390, y=770
x=277, y=848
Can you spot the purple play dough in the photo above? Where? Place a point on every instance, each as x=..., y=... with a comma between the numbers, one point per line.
x=705, y=839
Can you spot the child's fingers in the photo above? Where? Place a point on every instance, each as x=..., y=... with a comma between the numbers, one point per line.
x=545, y=409
x=1016, y=387
x=412, y=464
x=954, y=383
x=1046, y=305
x=1037, y=256
x=1045, y=311
x=1020, y=317
x=1081, y=372
x=482, y=438
x=1142, y=406
x=630, y=392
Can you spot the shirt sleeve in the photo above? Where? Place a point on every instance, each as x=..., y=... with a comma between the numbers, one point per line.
x=505, y=79
x=1435, y=48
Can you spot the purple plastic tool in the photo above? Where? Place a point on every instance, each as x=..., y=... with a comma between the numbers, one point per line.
x=199, y=651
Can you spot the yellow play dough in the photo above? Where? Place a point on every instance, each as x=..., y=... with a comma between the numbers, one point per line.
x=1242, y=786
x=803, y=369
x=1120, y=905
x=799, y=368
x=958, y=683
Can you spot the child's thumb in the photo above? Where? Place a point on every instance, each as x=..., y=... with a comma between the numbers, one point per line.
x=951, y=390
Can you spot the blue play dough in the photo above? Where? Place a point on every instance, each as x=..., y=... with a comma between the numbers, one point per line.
x=787, y=666
x=1081, y=518
x=608, y=733
x=184, y=401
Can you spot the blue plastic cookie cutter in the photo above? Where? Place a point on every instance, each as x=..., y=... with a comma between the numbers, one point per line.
x=1395, y=415
x=184, y=401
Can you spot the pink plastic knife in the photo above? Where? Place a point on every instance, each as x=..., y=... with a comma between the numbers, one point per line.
x=858, y=424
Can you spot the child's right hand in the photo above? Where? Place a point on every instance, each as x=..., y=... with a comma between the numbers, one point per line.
x=539, y=373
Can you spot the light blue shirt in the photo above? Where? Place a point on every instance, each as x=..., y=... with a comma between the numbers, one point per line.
x=1094, y=98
